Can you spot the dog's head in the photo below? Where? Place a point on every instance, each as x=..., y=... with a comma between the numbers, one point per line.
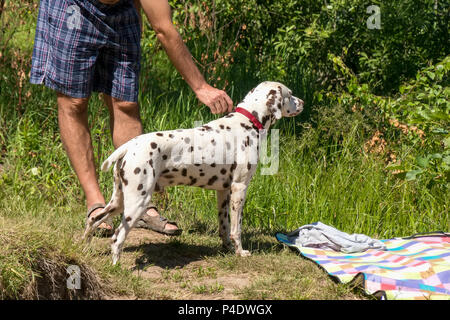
x=270, y=101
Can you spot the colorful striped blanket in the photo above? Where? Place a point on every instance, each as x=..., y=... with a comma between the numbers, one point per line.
x=417, y=267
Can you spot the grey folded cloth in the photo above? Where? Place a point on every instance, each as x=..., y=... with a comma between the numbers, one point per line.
x=322, y=236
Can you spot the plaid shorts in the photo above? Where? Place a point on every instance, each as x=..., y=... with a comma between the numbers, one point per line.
x=83, y=46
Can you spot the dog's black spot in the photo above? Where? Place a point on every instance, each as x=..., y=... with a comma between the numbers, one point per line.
x=137, y=170
x=159, y=134
x=212, y=180
x=246, y=127
x=153, y=145
x=247, y=141
x=143, y=193
x=223, y=171
x=164, y=157
x=197, y=164
x=168, y=176
x=233, y=166
x=193, y=181
x=174, y=169
x=122, y=176
x=145, y=171
x=207, y=128
x=150, y=162
x=151, y=153
x=226, y=185
x=165, y=171
x=213, y=142
x=191, y=149
x=228, y=128
x=224, y=204
x=128, y=219
x=140, y=186
x=265, y=119
x=202, y=174
x=187, y=140
x=170, y=136
x=222, y=126
x=184, y=172
x=213, y=165
x=249, y=166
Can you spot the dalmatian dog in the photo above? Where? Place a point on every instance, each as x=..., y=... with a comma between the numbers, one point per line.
x=221, y=155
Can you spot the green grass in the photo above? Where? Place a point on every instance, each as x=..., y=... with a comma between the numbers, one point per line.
x=324, y=175
x=336, y=183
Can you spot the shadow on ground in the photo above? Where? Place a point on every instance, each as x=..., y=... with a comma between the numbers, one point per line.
x=169, y=253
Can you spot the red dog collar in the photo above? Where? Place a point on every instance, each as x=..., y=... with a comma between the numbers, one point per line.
x=251, y=117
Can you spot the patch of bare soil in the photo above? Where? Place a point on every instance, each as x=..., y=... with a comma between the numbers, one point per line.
x=177, y=270
x=193, y=267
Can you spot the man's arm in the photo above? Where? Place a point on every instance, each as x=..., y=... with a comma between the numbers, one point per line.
x=159, y=16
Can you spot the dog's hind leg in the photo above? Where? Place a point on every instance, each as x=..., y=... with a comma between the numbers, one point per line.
x=223, y=206
x=135, y=205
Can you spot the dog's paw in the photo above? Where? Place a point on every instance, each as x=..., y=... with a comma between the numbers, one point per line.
x=243, y=253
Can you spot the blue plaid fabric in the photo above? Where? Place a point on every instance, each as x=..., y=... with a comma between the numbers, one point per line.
x=83, y=46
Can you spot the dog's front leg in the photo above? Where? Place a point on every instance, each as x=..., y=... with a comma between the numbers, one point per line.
x=238, y=191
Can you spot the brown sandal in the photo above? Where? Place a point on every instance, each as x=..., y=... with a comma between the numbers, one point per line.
x=157, y=224
x=100, y=232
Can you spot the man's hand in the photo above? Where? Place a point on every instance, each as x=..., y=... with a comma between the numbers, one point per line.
x=217, y=100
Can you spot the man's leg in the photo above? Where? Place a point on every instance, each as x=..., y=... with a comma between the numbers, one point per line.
x=76, y=138
x=125, y=124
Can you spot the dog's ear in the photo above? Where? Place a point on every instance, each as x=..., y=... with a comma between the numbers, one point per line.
x=275, y=103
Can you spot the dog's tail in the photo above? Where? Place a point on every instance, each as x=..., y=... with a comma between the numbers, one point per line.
x=116, y=155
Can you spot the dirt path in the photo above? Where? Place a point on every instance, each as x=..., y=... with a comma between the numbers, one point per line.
x=192, y=266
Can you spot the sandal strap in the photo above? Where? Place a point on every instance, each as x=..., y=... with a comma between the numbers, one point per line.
x=94, y=207
x=161, y=217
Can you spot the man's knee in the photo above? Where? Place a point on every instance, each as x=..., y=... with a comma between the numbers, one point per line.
x=72, y=106
x=126, y=107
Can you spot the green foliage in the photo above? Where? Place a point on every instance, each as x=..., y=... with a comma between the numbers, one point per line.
x=355, y=82
x=424, y=103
